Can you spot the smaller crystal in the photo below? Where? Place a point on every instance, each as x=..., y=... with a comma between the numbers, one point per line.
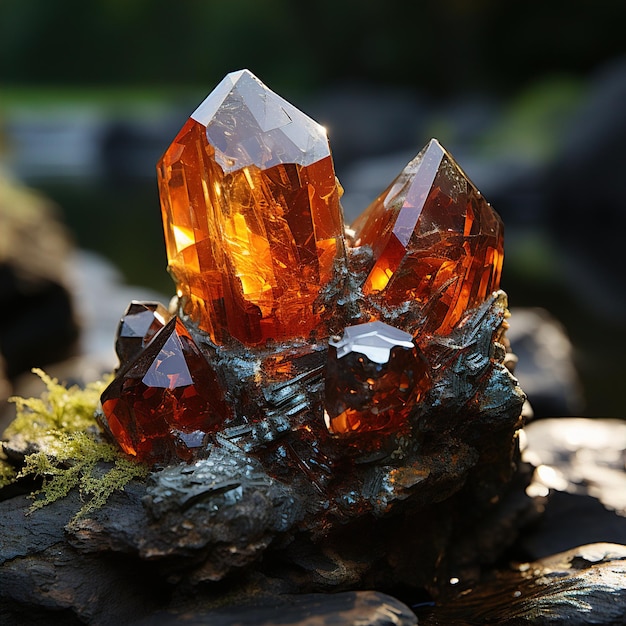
x=375, y=375
x=138, y=326
x=435, y=240
x=158, y=403
x=375, y=340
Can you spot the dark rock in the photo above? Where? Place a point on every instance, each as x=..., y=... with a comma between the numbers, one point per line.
x=545, y=363
x=89, y=571
x=570, y=520
x=580, y=466
x=581, y=456
x=23, y=535
x=45, y=580
x=581, y=586
x=351, y=607
x=37, y=325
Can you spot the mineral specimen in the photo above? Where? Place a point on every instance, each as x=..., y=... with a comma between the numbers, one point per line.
x=359, y=345
x=251, y=212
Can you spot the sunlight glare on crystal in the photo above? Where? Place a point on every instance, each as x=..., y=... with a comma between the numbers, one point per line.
x=183, y=237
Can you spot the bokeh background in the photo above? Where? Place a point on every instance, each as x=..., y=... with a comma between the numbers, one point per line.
x=530, y=97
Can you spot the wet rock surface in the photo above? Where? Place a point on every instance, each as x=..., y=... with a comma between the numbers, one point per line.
x=349, y=607
x=132, y=560
x=581, y=586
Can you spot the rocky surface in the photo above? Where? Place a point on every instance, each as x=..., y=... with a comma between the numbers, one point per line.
x=584, y=585
x=57, y=571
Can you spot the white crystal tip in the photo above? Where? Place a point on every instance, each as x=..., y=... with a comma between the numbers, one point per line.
x=375, y=340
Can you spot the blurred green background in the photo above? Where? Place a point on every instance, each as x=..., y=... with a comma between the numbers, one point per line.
x=91, y=93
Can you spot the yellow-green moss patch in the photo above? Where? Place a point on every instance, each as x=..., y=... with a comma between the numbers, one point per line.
x=7, y=472
x=70, y=452
x=58, y=410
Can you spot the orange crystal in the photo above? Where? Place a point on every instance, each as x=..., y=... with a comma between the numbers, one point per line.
x=435, y=240
x=251, y=214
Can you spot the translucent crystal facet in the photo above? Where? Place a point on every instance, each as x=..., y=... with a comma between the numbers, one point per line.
x=138, y=326
x=251, y=214
x=157, y=404
x=435, y=240
x=375, y=375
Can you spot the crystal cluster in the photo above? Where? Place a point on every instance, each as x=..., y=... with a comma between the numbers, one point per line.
x=167, y=398
x=286, y=335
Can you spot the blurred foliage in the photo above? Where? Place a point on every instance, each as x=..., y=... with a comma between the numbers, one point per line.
x=535, y=120
x=442, y=45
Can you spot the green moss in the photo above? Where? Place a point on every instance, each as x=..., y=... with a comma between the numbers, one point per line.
x=7, y=472
x=70, y=452
x=58, y=410
x=96, y=469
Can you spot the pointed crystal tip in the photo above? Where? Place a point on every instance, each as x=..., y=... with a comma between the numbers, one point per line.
x=434, y=239
x=251, y=214
x=248, y=124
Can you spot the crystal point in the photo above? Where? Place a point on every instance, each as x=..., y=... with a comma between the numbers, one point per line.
x=435, y=240
x=251, y=214
x=138, y=326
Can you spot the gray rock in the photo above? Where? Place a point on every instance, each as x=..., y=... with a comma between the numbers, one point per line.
x=545, y=364
x=579, y=587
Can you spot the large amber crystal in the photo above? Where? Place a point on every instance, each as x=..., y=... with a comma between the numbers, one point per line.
x=435, y=240
x=251, y=214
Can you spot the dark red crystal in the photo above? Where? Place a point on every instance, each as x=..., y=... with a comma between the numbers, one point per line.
x=156, y=405
x=374, y=377
x=138, y=326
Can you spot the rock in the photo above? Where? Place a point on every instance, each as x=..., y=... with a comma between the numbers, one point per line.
x=556, y=531
x=350, y=607
x=47, y=581
x=582, y=586
x=580, y=465
x=125, y=562
x=38, y=324
x=545, y=363
x=581, y=456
